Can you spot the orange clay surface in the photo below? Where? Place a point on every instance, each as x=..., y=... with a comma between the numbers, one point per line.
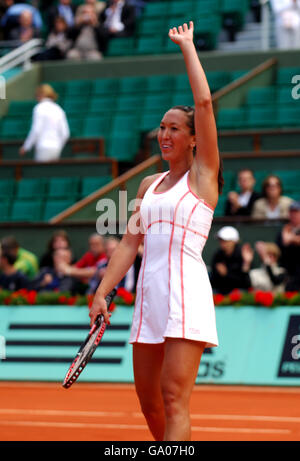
x=110, y=412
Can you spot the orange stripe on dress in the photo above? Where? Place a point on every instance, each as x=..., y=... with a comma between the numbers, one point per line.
x=181, y=268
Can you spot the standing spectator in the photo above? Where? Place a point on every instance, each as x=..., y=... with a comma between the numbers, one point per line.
x=272, y=205
x=10, y=278
x=57, y=43
x=241, y=204
x=52, y=278
x=86, y=36
x=59, y=240
x=10, y=19
x=289, y=243
x=287, y=23
x=231, y=263
x=98, y=7
x=26, y=262
x=49, y=130
x=25, y=29
x=117, y=20
x=64, y=9
x=270, y=276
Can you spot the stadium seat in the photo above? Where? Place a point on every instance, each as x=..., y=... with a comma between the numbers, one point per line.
x=54, y=207
x=26, y=210
x=7, y=188
x=288, y=116
x=285, y=75
x=78, y=88
x=259, y=96
x=149, y=45
x=91, y=184
x=124, y=46
x=133, y=85
x=261, y=117
x=14, y=128
x=94, y=127
x=150, y=121
x=103, y=104
x=20, y=108
x=290, y=180
x=63, y=187
x=5, y=206
x=156, y=9
x=123, y=147
x=105, y=86
x=31, y=188
x=130, y=103
x=228, y=119
x=220, y=208
x=160, y=83
x=217, y=80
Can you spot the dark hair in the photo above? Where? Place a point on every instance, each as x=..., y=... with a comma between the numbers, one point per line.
x=190, y=113
x=265, y=184
x=11, y=259
x=9, y=243
x=58, y=233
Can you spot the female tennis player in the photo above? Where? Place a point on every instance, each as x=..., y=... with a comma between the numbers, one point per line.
x=174, y=317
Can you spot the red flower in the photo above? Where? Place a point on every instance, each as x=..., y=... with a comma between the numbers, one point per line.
x=235, y=296
x=291, y=294
x=63, y=299
x=218, y=298
x=126, y=295
x=265, y=298
x=112, y=307
x=31, y=297
x=72, y=300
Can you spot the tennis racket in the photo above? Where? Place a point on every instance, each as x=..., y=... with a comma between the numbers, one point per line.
x=89, y=346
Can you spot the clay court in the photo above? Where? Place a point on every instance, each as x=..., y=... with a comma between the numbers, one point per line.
x=110, y=412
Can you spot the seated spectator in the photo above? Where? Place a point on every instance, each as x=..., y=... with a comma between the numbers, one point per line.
x=98, y=7
x=59, y=240
x=10, y=19
x=49, y=129
x=86, y=267
x=270, y=276
x=64, y=9
x=117, y=20
x=85, y=36
x=288, y=241
x=25, y=30
x=231, y=263
x=110, y=245
x=11, y=279
x=52, y=278
x=241, y=204
x=26, y=262
x=272, y=205
x=57, y=43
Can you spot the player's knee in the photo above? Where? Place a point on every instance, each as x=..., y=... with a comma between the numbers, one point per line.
x=172, y=398
x=151, y=410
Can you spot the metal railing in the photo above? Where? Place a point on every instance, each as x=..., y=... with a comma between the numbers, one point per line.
x=21, y=55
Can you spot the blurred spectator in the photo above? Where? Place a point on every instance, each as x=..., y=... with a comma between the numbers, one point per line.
x=49, y=130
x=241, y=204
x=98, y=7
x=289, y=243
x=52, y=278
x=64, y=9
x=139, y=5
x=86, y=267
x=59, y=240
x=272, y=205
x=57, y=43
x=231, y=263
x=270, y=276
x=10, y=19
x=287, y=23
x=25, y=30
x=10, y=278
x=110, y=245
x=85, y=36
x=26, y=262
x=117, y=20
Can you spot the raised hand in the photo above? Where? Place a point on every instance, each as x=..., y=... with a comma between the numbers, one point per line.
x=183, y=34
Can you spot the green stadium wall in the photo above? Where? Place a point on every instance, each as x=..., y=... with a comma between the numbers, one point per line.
x=258, y=346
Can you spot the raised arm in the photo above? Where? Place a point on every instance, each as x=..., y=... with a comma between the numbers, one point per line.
x=207, y=153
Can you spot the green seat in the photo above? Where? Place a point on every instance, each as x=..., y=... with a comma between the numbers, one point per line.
x=261, y=117
x=285, y=75
x=7, y=188
x=124, y=123
x=5, y=205
x=20, y=108
x=234, y=13
x=96, y=127
x=105, y=87
x=160, y=83
x=183, y=99
x=78, y=88
x=124, y=46
x=63, y=187
x=230, y=119
x=260, y=176
x=75, y=105
x=54, y=207
x=149, y=26
x=182, y=83
x=217, y=80
x=180, y=7
x=230, y=178
x=31, y=188
x=150, y=121
x=207, y=29
x=133, y=85
x=220, y=208
x=122, y=147
x=26, y=210
x=104, y=105
x=149, y=45
x=91, y=184
x=288, y=116
x=130, y=103
x=259, y=96
x=290, y=180
x=14, y=128
x=156, y=9
x=285, y=96
x=155, y=102
x=75, y=126
x=59, y=87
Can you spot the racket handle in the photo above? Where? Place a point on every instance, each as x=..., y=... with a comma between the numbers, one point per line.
x=110, y=297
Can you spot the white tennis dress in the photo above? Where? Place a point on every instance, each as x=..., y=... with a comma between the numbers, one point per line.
x=174, y=296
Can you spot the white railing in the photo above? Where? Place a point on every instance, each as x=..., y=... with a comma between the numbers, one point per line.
x=21, y=55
